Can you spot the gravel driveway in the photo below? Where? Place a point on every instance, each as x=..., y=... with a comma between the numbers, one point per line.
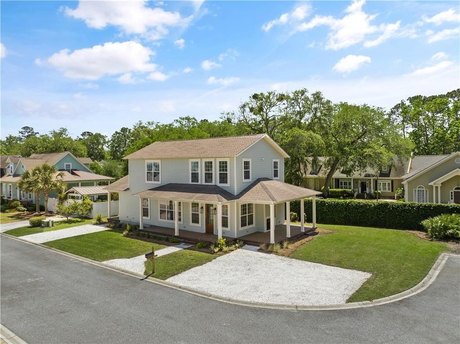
x=259, y=277
x=40, y=238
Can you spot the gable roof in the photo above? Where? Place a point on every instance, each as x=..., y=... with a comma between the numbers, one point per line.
x=77, y=176
x=445, y=177
x=121, y=184
x=85, y=160
x=31, y=163
x=49, y=158
x=219, y=147
x=4, y=158
x=424, y=163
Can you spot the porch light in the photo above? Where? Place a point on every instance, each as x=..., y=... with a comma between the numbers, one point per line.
x=201, y=210
x=214, y=211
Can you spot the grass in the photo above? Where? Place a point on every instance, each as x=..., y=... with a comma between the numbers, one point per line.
x=18, y=232
x=397, y=259
x=11, y=217
x=177, y=262
x=103, y=246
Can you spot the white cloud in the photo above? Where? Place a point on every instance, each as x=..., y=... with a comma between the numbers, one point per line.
x=439, y=56
x=158, y=76
x=2, y=50
x=102, y=60
x=443, y=35
x=127, y=78
x=187, y=70
x=351, y=63
x=222, y=81
x=353, y=28
x=132, y=17
x=209, y=65
x=180, y=43
x=197, y=4
x=433, y=69
x=443, y=17
x=229, y=54
x=297, y=14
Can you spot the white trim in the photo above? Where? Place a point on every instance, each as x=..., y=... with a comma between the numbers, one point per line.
x=234, y=176
x=148, y=208
x=429, y=168
x=271, y=142
x=425, y=194
x=75, y=158
x=199, y=214
x=218, y=172
x=247, y=216
x=227, y=216
x=455, y=189
x=212, y=171
x=277, y=169
x=250, y=169
x=386, y=182
x=153, y=181
x=67, y=164
x=445, y=177
x=173, y=210
x=190, y=171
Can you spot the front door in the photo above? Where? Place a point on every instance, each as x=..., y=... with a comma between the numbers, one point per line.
x=457, y=196
x=363, y=187
x=209, y=215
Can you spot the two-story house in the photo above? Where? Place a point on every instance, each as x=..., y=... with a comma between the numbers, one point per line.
x=74, y=173
x=229, y=186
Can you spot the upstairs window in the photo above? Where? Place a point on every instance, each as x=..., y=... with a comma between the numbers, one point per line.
x=152, y=171
x=246, y=170
x=223, y=172
x=68, y=166
x=276, y=169
x=10, y=169
x=209, y=172
x=195, y=171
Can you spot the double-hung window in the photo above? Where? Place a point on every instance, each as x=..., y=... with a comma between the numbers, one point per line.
x=246, y=170
x=276, y=169
x=152, y=171
x=195, y=171
x=223, y=172
x=145, y=208
x=225, y=216
x=384, y=185
x=68, y=166
x=345, y=184
x=247, y=215
x=195, y=213
x=209, y=172
x=167, y=211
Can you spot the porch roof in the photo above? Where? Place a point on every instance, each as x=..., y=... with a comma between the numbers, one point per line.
x=121, y=184
x=10, y=179
x=445, y=177
x=268, y=190
x=88, y=190
x=189, y=193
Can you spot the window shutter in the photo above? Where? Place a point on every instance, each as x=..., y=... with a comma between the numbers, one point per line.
x=392, y=185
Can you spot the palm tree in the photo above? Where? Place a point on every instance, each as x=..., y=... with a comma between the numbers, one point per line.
x=28, y=182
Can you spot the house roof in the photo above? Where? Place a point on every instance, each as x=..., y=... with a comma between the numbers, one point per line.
x=10, y=179
x=445, y=177
x=29, y=163
x=88, y=190
x=85, y=161
x=268, y=190
x=121, y=184
x=421, y=163
x=49, y=158
x=220, y=147
x=77, y=176
x=13, y=158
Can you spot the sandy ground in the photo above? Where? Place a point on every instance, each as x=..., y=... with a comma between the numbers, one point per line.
x=258, y=277
x=63, y=233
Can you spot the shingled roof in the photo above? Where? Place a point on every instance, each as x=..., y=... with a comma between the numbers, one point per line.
x=220, y=147
x=121, y=184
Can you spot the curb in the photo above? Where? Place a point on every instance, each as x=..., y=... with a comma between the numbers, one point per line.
x=421, y=286
x=9, y=337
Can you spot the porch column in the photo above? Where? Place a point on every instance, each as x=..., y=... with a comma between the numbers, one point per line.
x=314, y=212
x=272, y=223
x=108, y=205
x=439, y=193
x=288, y=219
x=219, y=220
x=434, y=193
x=79, y=184
x=372, y=186
x=302, y=215
x=141, y=219
x=176, y=218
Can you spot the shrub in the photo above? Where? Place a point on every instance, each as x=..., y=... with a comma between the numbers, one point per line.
x=293, y=216
x=446, y=226
x=399, y=193
x=36, y=221
x=13, y=204
x=202, y=245
x=21, y=209
x=98, y=219
x=341, y=193
x=398, y=215
x=127, y=230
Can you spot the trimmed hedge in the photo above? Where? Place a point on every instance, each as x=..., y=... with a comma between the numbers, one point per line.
x=381, y=214
x=341, y=193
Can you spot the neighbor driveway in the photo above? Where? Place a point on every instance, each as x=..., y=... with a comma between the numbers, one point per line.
x=259, y=277
x=40, y=238
x=13, y=225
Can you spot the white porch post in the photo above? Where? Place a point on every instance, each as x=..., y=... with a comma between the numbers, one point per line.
x=141, y=219
x=288, y=219
x=79, y=184
x=439, y=193
x=302, y=215
x=219, y=220
x=272, y=223
x=176, y=218
x=314, y=212
x=236, y=220
x=108, y=205
x=434, y=193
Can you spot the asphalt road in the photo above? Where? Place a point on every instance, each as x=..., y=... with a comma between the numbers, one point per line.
x=50, y=298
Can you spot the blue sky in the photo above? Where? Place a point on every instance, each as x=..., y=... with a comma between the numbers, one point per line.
x=98, y=66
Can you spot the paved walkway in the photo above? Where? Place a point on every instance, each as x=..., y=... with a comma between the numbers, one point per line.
x=40, y=238
x=13, y=225
x=259, y=277
x=136, y=264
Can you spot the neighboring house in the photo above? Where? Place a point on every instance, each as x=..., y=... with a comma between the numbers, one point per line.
x=74, y=173
x=85, y=161
x=425, y=178
x=8, y=163
x=230, y=186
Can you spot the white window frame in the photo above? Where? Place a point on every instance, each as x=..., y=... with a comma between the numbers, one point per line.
x=425, y=194
x=277, y=168
x=153, y=181
x=148, y=208
x=218, y=172
x=204, y=171
x=167, y=210
x=342, y=183
x=192, y=212
x=227, y=216
x=250, y=169
x=455, y=189
x=386, y=183
x=190, y=170
x=10, y=191
x=10, y=169
x=66, y=164
x=247, y=215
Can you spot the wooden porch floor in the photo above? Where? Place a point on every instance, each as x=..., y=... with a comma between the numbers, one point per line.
x=256, y=238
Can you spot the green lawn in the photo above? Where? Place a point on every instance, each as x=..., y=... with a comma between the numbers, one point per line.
x=177, y=262
x=398, y=260
x=104, y=246
x=18, y=232
x=10, y=217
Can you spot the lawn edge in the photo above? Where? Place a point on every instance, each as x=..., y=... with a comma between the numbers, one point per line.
x=420, y=287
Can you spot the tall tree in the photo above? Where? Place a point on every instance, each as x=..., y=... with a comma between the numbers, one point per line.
x=27, y=132
x=119, y=143
x=95, y=145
